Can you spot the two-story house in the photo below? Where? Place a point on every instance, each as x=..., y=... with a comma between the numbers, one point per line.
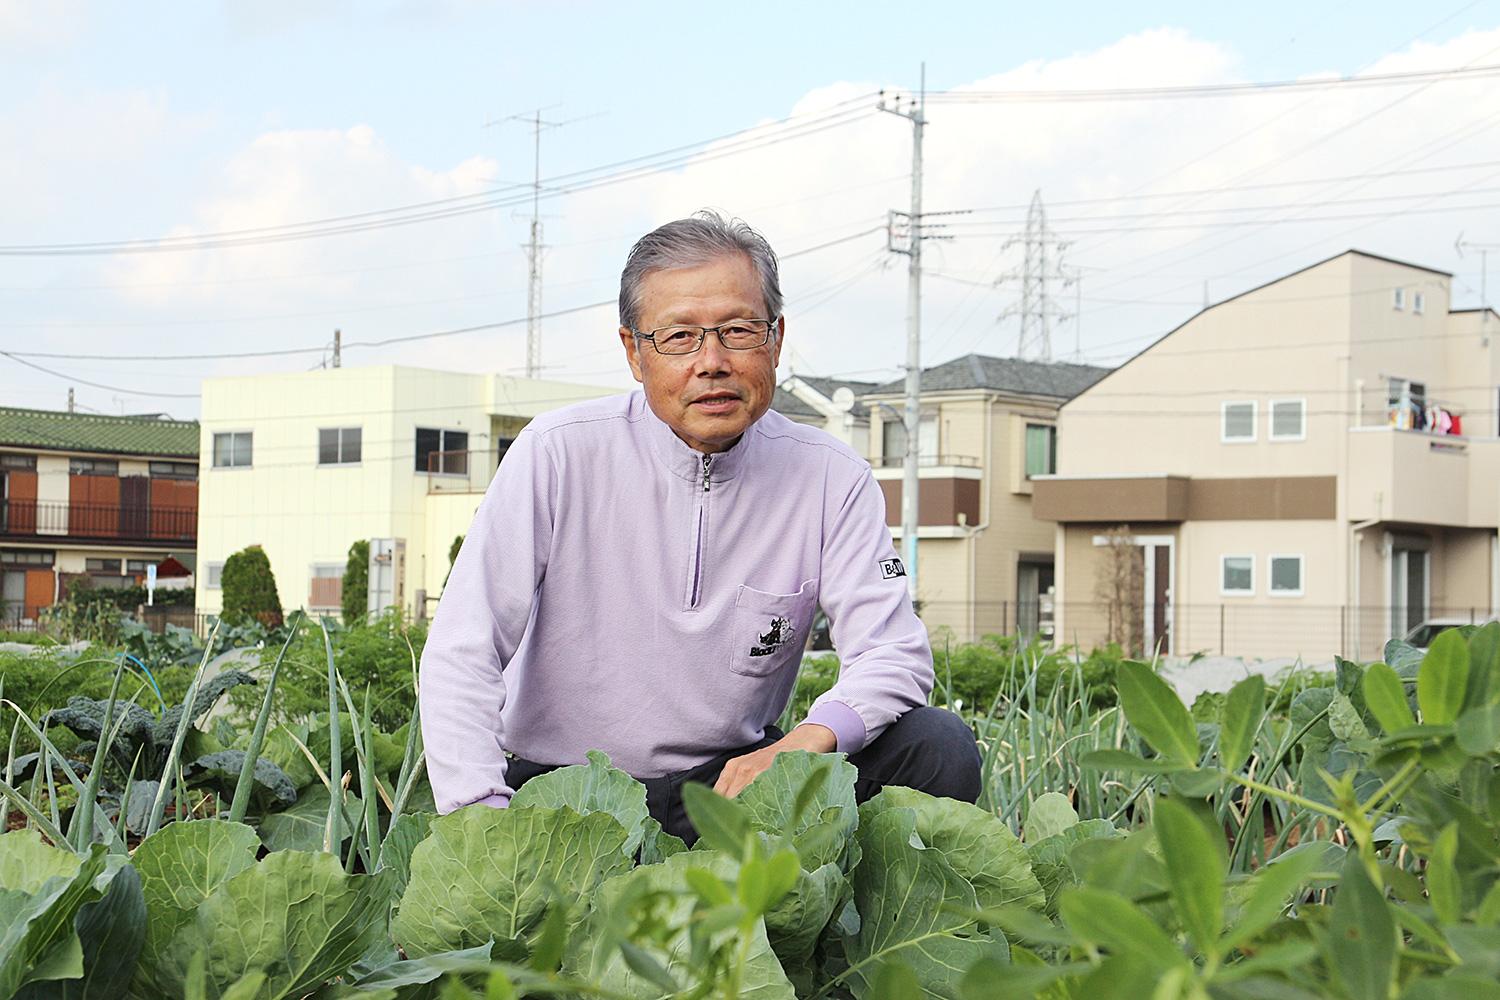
x=988, y=427
x=304, y=464
x=86, y=495
x=1310, y=467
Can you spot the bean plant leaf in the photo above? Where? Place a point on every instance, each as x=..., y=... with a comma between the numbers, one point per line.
x=1124, y=760
x=1114, y=922
x=914, y=908
x=1484, y=666
x=977, y=844
x=1195, y=872
x=296, y=917
x=485, y=873
x=180, y=866
x=1362, y=940
x=589, y=788
x=1443, y=886
x=1266, y=894
x=1385, y=694
x=1154, y=709
x=1479, y=730
x=1050, y=815
x=1244, y=711
x=1443, y=679
x=647, y=971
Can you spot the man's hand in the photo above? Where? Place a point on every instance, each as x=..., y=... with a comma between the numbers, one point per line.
x=740, y=771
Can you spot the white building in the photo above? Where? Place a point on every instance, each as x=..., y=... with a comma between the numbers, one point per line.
x=305, y=464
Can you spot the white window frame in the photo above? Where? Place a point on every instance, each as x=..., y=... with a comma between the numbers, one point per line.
x=1223, y=560
x=1224, y=419
x=1418, y=303
x=1271, y=434
x=339, y=447
x=1398, y=300
x=212, y=464
x=213, y=576
x=1271, y=575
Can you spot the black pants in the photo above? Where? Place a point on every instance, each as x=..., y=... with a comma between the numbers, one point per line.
x=929, y=749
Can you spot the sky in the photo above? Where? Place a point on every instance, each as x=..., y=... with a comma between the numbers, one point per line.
x=159, y=124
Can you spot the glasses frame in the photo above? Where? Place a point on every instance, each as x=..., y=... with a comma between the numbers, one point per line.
x=703, y=332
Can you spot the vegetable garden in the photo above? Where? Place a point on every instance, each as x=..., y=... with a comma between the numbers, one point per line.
x=1299, y=840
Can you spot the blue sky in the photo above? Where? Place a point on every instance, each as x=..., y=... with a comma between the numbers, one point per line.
x=143, y=120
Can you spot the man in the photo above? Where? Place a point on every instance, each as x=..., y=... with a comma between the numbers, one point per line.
x=643, y=570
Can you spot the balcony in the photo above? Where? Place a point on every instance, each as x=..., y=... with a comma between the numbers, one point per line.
x=1420, y=478
x=53, y=520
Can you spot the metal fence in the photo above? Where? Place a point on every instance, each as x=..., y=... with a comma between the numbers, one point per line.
x=1260, y=629
x=131, y=522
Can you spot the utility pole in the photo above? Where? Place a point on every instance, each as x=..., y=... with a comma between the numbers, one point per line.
x=70, y=399
x=338, y=345
x=915, y=112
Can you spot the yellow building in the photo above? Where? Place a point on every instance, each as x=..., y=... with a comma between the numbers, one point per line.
x=305, y=464
x=1310, y=467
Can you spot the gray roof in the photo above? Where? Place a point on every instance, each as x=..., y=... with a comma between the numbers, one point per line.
x=789, y=404
x=1058, y=379
x=827, y=386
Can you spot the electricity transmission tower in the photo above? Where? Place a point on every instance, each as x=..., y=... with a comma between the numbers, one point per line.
x=534, y=246
x=1042, y=273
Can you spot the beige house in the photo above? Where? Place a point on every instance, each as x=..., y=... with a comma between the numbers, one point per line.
x=305, y=464
x=832, y=405
x=1308, y=468
x=988, y=427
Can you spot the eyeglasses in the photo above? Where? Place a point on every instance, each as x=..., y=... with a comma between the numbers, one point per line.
x=736, y=335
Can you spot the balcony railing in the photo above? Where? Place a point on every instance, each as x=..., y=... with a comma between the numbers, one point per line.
x=105, y=522
x=927, y=461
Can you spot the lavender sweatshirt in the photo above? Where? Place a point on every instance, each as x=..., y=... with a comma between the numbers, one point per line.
x=620, y=591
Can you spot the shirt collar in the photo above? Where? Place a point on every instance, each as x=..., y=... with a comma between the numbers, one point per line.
x=686, y=462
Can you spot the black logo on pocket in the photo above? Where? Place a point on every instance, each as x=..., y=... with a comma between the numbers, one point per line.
x=779, y=635
x=891, y=568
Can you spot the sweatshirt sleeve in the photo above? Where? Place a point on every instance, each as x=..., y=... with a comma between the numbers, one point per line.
x=885, y=658
x=479, y=622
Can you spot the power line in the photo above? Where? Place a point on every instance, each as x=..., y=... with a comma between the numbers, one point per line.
x=1212, y=89
x=792, y=127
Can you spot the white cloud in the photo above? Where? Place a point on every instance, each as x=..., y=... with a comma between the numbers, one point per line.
x=1148, y=258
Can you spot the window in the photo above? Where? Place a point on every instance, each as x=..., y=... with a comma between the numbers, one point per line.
x=213, y=575
x=134, y=566
x=326, y=588
x=25, y=557
x=1238, y=423
x=1286, y=576
x=502, y=445
x=93, y=467
x=893, y=440
x=1418, y=300
x=1041, y=450
x=232, y=450
x=174, y=470
x=1236, y=575
x=102, y=566
x=338, y=446
x=443, y=452
x=18, y=463
x=1399, y=300
x=1288, y=419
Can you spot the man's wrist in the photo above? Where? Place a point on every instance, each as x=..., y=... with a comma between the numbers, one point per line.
x=811, y=736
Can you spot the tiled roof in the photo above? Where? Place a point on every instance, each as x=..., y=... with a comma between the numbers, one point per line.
x=56, y=430
x=827, y=387
x=1058, y=379
x=791, y=405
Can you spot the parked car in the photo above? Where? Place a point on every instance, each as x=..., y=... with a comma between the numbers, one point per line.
x=1422, y=635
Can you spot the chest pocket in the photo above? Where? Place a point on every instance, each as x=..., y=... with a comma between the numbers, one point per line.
x=768, y=631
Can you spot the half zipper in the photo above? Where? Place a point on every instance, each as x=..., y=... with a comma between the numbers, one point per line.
x=695, y=570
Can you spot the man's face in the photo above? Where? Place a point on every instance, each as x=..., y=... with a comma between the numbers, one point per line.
x=708, y=398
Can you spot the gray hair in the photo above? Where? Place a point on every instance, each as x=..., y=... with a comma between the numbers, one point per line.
x=704, y=237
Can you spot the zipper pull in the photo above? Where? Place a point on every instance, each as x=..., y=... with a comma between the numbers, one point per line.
x=707, y=466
